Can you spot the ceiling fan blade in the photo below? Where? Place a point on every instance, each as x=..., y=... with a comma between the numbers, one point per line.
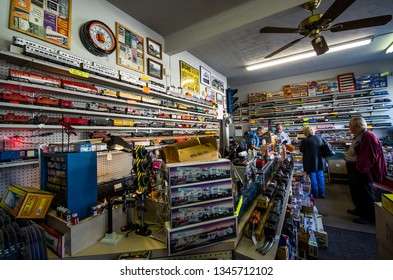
x=284, y=47
x=336, y=9
x=361, y=23
x=270, y=29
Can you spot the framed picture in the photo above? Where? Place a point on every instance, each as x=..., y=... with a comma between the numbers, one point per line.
x=218, y=84
x=154, y=48
x=205, y=76
x=219, y=98
x=48, y=20
x=189, y=77
x=130, y=49
x=154, y=68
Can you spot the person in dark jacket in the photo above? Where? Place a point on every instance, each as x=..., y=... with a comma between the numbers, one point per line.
x=366, y=165
x=313, y=162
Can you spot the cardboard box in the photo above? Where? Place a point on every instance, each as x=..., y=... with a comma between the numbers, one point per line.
x=199, y=149
x=384, y=232
x=387, y=202
x=320, y=234
x=25, y=202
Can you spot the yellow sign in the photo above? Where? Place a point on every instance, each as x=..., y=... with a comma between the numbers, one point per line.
x=79, y=73
x=189, y=77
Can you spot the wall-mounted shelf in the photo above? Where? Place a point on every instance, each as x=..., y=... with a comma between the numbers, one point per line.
x=18, y=163
x=23, y=60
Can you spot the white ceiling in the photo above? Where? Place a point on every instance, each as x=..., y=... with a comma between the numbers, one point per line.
x=224, y=34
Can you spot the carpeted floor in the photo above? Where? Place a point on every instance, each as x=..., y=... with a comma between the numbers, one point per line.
x=346, y=244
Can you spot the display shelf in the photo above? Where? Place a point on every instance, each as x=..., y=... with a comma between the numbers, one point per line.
x=337, y=108
x=325, y=95
x=16, y=85
x=329, y=106
x=23, y=60
x=18, y=163
x=246, y=249
x=60, y=110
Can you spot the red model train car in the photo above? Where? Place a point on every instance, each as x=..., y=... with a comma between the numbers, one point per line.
x=12, y=118
x=65, y=103
x=79, y=87
x=46, y=100
x=75, y=121
x=34, y=78
x=15, y=97
x=44, y=119
x=98, y=134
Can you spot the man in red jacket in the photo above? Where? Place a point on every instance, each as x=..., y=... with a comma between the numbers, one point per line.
x=365, y=165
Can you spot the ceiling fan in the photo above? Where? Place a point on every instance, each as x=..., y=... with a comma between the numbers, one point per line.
x=315, y=24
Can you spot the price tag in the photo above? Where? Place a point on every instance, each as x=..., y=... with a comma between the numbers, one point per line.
x=131, y=102
x=79, y=73
x=109, y=156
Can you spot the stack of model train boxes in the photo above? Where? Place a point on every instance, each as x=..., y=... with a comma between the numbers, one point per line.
x=201, y=206
x=321, y=87
x=256, y=97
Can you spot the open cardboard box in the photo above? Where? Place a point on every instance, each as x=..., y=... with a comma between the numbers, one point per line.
x=199, y=149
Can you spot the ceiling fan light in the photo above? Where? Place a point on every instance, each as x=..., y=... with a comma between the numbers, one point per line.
x=390, y=48
x=319, y=45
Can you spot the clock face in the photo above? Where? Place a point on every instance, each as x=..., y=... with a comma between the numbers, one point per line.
x=98, y=38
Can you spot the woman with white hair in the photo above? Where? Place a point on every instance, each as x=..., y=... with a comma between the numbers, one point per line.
x=313, y=162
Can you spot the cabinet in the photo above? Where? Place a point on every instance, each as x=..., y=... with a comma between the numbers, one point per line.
x=201, y=205
x=72, y=178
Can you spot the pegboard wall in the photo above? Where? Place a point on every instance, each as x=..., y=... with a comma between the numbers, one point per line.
x=28, y=176
x=113, y=165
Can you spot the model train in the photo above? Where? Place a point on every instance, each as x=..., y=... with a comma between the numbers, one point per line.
x=16, y=97
x=60, y=57
x=35, y=78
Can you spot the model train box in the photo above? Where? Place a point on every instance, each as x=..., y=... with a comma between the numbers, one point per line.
x=200, y=149
x=387, y=202
x=26, y=202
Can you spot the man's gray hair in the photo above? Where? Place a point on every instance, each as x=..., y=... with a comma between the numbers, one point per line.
x=358, y=122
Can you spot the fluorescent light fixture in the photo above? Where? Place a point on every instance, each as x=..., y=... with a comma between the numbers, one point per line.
x=308, y=54
x=390, y=48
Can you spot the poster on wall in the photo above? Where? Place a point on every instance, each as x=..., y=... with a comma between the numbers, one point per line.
x=208, y=94
x=130, y=49
x=48, y=20
x=218, y=84
x=189, y=77
x=205, y=76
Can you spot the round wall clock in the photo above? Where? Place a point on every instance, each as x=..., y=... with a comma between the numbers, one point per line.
x=97, y=38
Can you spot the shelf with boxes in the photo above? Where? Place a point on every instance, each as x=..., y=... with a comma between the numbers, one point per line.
x=201, y=205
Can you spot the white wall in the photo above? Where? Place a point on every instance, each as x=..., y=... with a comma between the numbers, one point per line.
x=86, y=10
